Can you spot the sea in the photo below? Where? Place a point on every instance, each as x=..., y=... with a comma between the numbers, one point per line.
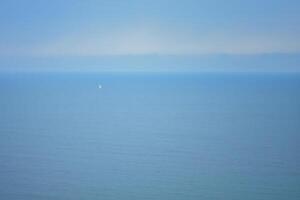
x=149, y=136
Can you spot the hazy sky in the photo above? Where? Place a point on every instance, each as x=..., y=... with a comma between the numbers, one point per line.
x=83, y=28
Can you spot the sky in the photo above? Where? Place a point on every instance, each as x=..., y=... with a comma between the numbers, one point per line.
x=137, y=34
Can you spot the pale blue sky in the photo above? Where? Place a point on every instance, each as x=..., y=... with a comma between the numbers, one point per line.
x=42, y=29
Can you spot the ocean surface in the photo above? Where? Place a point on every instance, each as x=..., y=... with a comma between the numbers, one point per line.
x=210, y=136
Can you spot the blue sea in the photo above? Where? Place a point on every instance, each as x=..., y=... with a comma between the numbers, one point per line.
x=142, y=136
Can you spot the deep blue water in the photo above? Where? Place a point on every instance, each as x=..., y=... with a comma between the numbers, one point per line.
x=149, y=136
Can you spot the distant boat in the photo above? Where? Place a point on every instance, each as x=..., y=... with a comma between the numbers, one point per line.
x=100, y=86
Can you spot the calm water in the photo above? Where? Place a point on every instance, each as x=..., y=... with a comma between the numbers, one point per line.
x=161, y=137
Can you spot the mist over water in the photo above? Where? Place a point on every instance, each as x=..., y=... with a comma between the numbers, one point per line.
x=150, y=136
